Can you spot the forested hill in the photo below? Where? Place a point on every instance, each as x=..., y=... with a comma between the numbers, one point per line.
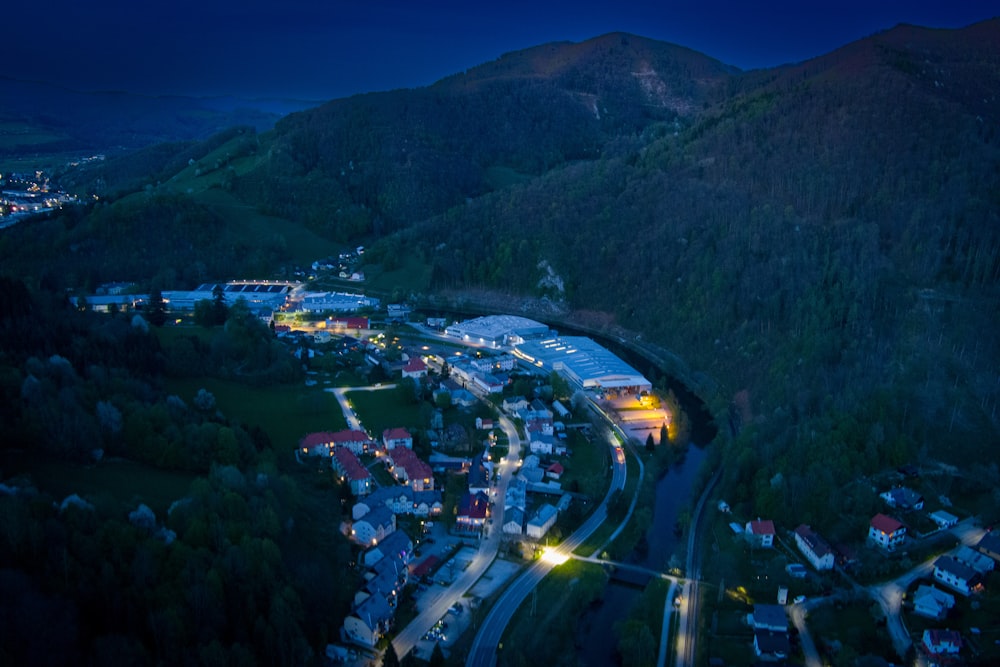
x=377, y=162
x=819, y=242
x=824, y=245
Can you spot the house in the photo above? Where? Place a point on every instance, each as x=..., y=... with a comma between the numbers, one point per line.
x=979, y=562
x=479, y=478
x=514, y=404
x=903, y=498
x=513, y=522
x=956, y=575
x=408, y=469
x=356, y=441
x=368, y=621
x=555, y=470
x=941, y=642
x=488, y=382
x=944, y=519
x=427, y=503
x=769, y=617
x=560, y=409
x=399, y=500
x=351, y=471
x=317, y=444
x=770, y=645
x=374, y=526
x=472, y=512
x=396, y=544
x=463, y=398
x=386, y=579
x=415, y=368
x=760, y=533
x=886, y=532
x=816, y=550
x=484, y=424
x=931, y=602
x=990, y=545
x=543, y=520
x=396, y=437
x=540, y=443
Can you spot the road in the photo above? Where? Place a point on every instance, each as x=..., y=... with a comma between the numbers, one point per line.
x=484, y=646
x=687, y=627
x=489, y=544
x=340, y=393
x=798, y=613
x=889, y=595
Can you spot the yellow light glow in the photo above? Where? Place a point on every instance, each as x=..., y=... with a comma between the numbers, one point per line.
x=554, y=556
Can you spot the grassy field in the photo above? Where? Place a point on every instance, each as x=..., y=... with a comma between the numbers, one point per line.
x=112, y=483
x=285, y=413
x=379, y=410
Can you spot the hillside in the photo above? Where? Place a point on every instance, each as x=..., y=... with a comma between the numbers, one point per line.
x=818, y=243
x=824, y=244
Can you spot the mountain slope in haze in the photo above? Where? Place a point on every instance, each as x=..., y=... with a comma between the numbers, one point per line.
x=41, y=119
x=824, y=245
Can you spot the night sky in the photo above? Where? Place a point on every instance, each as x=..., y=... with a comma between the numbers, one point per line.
x=322, y=49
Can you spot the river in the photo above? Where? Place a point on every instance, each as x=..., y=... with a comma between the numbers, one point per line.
x=596, y=643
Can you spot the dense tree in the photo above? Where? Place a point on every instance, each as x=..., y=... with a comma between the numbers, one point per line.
x=156, y=309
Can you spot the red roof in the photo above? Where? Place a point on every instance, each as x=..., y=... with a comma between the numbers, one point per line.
x=425, y=566
x=474, y=506
x=319, y=438
x=408, y=460
x=556, y=468
x=759, y=527
x=415, y=365
x=342, y=437
x=397, y=433
x=350, y=464
x=885, y=524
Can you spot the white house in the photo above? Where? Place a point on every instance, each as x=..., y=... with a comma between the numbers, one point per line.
x=942, y=642
x=760, y=533
x=931, y=602
x=374, y=526
x=415, y=368
x=944, y=519
x=513, y=522
x=397, y=437
x=369, y=620
x=543, y=520
x=956, y=575
x=816, y=550
x=886, y=532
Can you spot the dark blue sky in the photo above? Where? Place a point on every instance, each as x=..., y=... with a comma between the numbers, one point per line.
x=321, y=49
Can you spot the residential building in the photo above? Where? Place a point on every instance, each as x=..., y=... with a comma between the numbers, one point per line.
x=513, y=523
x=484, y=424
x=543, y=520
x=396, y=544
x=317, y=444
x=956, y=575
x=396, y=437
x=408, y=469
x=931, y=602
x=540, y=443
x=368, y=621
x=990, y=545
x=374, y=526
x=886, y=532
x=979, y=562
x=903, y=498
x=555, y=471
x=472, y=512
x=760, y=533
x=769, y=617
x=816, y=550
x=944, y=519
x=415, y=368
x=479, y=477
x=514, y=404
x=771, y=646
x=941, y=642
x=399, y=500
x=351, y=471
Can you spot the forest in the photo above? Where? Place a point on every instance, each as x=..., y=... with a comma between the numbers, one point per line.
x=239, y=569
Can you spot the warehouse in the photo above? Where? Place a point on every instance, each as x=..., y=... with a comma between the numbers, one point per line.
x=583, y=363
